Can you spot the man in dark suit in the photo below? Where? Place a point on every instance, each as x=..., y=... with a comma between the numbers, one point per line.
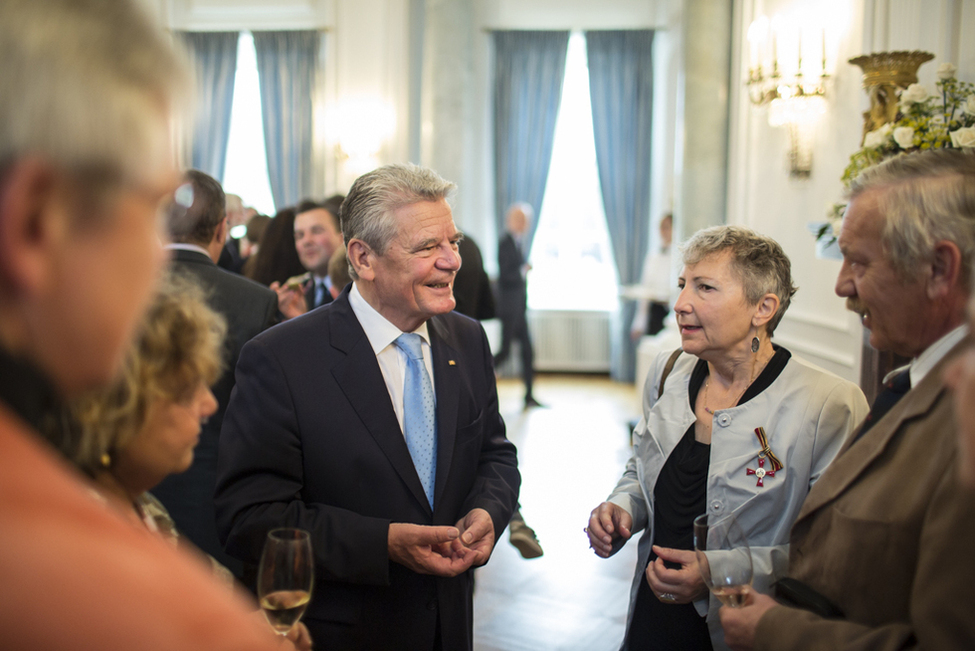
x=404, y=483
x=318, y=235
x=886, y=532
x=198, y=235
x=472, y=287
x=513, y=270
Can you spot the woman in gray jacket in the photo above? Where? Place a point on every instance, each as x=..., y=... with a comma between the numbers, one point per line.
x=735, y=424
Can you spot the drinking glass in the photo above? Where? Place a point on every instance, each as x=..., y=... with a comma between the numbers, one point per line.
x=723, y=557
x=285, y=577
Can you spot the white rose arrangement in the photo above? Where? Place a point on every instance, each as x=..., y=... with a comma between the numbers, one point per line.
x=945, y=118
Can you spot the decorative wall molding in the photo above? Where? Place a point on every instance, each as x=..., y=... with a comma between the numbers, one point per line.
x=819, y=321
x=810, y=349
x=220, y=15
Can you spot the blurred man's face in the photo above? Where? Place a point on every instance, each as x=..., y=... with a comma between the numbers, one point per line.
x=316, y=239
x=517, y=221
x=101, y=283
x=666, y=231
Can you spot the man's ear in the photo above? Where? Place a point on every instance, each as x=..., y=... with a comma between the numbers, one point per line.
x=945, y=270
x=362, y=258
x=767, y=306
x=223, y=229
x=34, y=225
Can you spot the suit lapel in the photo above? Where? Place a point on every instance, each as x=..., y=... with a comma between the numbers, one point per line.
x=447, y=387
x=856, y=457
x=361, y=380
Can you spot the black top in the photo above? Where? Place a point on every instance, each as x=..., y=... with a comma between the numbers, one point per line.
x=679, y=496
x=29, y=393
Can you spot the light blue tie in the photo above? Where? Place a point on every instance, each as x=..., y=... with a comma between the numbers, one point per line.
x=419, y=412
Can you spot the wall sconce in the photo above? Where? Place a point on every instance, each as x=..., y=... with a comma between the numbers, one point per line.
x=362, y=125
x=793, y=91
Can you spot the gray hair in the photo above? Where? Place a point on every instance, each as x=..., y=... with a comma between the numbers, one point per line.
x=89, y=85
x=524, y=207
x=367, y=212
x=758, y=260
x=925, y=198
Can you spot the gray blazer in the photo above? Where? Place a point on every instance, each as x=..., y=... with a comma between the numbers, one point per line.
x=807, y=413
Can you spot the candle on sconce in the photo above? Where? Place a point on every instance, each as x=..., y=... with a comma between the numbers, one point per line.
x=824, y=51
x=799, y=60
x=775, y=54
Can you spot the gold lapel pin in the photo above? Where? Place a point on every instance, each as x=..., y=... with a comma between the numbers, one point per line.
x=451, y=362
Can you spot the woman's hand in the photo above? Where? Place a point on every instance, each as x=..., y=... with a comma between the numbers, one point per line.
x=608, y=524
x=675, y=586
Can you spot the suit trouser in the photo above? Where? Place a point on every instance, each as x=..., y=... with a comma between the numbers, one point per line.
x=514, y=327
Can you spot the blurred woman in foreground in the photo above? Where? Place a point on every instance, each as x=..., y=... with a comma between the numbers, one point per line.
x=144, y=426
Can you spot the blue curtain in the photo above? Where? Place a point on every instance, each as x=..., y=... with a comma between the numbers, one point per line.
x=287, y=63
x=215, y=57
x=529, y=68
x=621, y=86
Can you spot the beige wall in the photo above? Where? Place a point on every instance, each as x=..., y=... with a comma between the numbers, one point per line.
x=762, y=195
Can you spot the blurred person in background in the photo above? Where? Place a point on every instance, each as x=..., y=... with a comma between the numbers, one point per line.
x=655, y=282
x=231, y=257
x=277, y=260
x=197, y=232
x=318, y=234
x=512, y=305
x=251, y=241
x=338, y=272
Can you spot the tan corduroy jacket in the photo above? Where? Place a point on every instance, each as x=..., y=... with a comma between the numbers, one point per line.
x=888, y=535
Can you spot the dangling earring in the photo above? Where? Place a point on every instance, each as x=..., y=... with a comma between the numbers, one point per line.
x=755, y=344
x=106, y=459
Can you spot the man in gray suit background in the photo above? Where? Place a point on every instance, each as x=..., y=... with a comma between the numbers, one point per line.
x=198, y=232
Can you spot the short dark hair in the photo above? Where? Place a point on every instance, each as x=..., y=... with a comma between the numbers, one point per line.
x=198, y=223
x=256, y=226
x=333, y=205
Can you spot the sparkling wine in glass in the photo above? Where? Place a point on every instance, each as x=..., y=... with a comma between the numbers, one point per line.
x=285, y=578
x=723, y=557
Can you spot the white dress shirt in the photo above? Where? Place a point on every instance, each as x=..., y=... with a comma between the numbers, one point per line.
x=392, y=361
x=923, y=363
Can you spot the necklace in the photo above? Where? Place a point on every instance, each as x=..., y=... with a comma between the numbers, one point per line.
x=707, y=383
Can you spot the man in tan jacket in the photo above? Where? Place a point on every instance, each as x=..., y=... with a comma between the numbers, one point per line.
x=886, y=534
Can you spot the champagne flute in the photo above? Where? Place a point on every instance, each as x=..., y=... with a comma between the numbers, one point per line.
x=723, y=557
x=285, y=577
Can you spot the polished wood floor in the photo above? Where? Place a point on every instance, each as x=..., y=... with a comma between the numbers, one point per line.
x=571, y=455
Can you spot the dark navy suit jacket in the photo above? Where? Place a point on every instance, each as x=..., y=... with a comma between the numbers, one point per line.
x=311, y=440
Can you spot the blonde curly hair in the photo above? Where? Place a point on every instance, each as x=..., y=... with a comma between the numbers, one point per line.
x=177, y=347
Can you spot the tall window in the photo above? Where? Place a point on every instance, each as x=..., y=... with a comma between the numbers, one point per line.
x=573, y=266
x=245, y=173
